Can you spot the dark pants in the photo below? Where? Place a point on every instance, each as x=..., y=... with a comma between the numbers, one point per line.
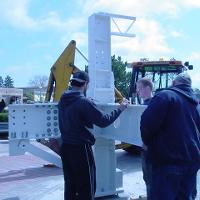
x=147, y=171
x=173, y=182
x=79, y=172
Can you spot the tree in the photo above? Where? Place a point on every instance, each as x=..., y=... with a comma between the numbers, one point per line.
x=39, y=81
x=1, y=81
x=8, y=82
x=29, y=96
x=122, y=77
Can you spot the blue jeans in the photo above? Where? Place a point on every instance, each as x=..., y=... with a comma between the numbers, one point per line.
x=173, y=182
x=147, y=171
x=194, y=192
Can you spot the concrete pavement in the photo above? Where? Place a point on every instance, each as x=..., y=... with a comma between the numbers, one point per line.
x=25, y=177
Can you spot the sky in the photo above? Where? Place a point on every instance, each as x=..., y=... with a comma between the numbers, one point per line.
x=33, y=33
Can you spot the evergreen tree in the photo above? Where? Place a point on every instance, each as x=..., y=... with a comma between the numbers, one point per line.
x=8, y=82
x=1, y=81
x=29, y=96
x=121, y=76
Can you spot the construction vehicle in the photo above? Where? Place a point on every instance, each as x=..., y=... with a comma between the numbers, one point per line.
x=161, y=73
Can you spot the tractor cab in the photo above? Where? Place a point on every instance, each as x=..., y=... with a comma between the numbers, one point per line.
x=160, y=72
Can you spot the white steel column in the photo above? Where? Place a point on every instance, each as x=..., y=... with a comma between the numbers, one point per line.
x=101, y=88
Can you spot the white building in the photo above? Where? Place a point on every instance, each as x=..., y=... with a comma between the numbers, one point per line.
x=18, y=93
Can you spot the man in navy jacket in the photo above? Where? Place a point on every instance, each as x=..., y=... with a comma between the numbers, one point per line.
x=76, y=114
x=5, y=102
x=2, y=105
x=170, y=127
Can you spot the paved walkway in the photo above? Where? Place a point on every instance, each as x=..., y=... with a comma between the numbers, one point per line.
x=25, y=177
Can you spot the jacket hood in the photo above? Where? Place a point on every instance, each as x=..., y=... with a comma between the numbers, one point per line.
x=186, y=91
x=71, y=96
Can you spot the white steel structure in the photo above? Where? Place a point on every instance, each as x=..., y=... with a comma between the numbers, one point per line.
x=28, y=122
x=109, y=179
x=39, y=121
x=99, y=53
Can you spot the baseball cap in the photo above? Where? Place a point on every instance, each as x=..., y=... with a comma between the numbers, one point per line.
x=80, y=77
x=183, y=78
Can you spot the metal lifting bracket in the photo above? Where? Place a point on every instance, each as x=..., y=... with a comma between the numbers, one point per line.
x=120, y=32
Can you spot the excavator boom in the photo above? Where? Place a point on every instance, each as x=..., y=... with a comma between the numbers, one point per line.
x=61, y=72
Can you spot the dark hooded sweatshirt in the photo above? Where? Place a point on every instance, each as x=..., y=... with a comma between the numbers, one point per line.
x=76, y=114
x=170, y=127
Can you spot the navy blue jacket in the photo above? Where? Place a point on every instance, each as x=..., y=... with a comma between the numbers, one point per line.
x=147, y=101
x=76, y=114
x=170, y=127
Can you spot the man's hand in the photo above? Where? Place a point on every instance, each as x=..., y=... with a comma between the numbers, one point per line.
x=124, y=104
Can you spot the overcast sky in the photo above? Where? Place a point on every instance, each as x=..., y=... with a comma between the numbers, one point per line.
x=35, y=32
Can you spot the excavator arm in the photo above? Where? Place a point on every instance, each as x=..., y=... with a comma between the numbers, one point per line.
x=61, y=72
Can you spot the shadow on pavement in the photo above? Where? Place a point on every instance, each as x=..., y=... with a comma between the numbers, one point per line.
x=113, y=197
x=134, y=162
x=29, y=173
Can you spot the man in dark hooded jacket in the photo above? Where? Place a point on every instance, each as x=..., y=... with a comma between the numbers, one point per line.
x=4, y=102
x=2, y=105
x=76, y=114
x=170, y=127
